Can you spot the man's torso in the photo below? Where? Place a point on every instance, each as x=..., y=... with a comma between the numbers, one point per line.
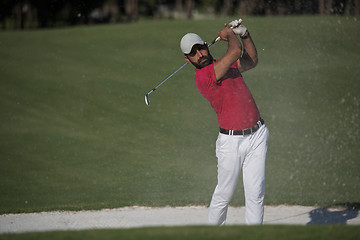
x=229, y=97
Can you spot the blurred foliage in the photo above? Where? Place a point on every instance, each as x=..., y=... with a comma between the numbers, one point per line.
x=21, y=14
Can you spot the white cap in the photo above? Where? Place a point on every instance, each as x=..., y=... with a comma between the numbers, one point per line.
x=188, y=41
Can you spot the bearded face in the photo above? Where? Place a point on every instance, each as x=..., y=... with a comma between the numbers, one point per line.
x=200, y=56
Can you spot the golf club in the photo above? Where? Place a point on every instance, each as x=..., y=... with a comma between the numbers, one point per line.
x=147, y=100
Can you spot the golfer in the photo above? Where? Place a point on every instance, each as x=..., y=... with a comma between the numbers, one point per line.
x=242, y=140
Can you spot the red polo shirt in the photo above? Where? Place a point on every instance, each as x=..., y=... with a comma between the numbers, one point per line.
x=230, y=97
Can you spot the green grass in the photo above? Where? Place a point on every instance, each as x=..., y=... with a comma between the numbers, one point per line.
x=75, y=132
x=330, y=232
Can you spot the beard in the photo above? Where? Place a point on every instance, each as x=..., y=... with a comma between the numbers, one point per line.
x=203, y=61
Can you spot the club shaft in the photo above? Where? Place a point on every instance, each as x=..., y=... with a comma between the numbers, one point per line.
x=214, y=41
x=152, y=90
x=168, y=78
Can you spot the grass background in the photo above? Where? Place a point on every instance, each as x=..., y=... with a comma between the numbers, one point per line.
x=75, y=132
x=329, y=232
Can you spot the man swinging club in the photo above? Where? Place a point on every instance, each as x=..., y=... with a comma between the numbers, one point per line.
x=242, y=141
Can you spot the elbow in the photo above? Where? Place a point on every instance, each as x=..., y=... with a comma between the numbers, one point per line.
x=251, y=64
x=256, y=61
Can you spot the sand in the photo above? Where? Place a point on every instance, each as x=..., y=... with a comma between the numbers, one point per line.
x=134, y=217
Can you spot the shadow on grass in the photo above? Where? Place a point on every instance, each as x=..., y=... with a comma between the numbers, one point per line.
x=324, y=216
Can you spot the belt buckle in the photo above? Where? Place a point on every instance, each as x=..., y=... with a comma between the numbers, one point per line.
x=259, y=123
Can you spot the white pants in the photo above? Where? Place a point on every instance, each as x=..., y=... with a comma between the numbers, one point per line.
x=235, y=153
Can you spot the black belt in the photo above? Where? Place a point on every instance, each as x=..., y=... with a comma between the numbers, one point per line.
x=244, y=131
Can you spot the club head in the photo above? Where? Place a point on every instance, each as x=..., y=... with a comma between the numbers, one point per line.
x=147, y=100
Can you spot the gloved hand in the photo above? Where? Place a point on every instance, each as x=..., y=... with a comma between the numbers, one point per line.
x=237, y=27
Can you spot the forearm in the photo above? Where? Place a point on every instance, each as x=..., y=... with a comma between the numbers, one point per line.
x=249, y=47
x=249, y=59
x=232, y=54
x=234, y=48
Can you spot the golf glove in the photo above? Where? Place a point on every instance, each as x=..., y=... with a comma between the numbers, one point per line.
x=238, y=28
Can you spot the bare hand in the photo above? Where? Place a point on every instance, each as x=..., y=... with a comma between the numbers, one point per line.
x=225, y=33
